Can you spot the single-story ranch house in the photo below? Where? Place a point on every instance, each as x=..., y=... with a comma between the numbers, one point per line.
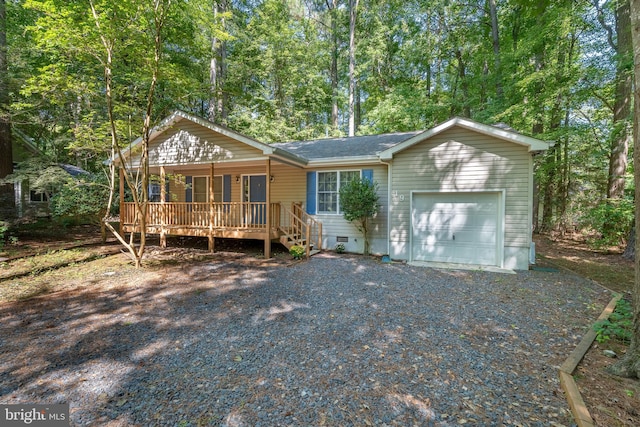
x=461, y=192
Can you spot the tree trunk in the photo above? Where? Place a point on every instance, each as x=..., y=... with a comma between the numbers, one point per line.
x=622, y=106
x=7, y=200
x=495, y=36
x=630, y=251
x=629, y=365
x=334, y=64
x=353, y=8
x=217, y=111
x=549, y=190
x=464, y=85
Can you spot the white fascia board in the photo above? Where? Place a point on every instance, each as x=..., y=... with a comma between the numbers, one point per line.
x=533, y=144
x=287, y=157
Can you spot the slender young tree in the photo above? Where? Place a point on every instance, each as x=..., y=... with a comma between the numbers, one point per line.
x=140, y=175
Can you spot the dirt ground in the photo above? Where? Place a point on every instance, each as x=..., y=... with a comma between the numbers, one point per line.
x=612, y=401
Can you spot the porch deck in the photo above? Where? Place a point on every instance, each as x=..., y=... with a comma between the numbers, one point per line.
x=236, y=220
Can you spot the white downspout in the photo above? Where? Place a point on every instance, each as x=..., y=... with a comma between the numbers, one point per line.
x=389, y=177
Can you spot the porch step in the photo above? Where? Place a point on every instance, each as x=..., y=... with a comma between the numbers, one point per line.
x=288, y=243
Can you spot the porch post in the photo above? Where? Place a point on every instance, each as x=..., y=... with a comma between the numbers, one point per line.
x=267, y=239
x=163, y=207
x=122, y=213
x=212, y=242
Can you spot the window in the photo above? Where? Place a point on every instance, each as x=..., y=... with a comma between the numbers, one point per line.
x=329, y=189
x=217, y=189
x=38, y=197
x=201, y=189
x=154, y=192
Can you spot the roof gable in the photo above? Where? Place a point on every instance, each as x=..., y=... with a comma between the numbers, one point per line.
x=532, y=144
x=170, y=127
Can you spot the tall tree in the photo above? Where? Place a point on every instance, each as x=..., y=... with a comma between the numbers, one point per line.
x=619, y=39
x=495, y=38
x=353, y=13
x=217, y=110
x=629, y=365
x=6, y=152
x=333, y=72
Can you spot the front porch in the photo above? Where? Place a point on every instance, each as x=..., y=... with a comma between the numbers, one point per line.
x=237, y=220
x=208, y=181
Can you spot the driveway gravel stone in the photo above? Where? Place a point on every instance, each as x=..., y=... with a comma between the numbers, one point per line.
x=332, y=341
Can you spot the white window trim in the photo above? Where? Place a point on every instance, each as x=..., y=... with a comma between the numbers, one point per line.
x=208, y=177
x=338, y=171
x=42, y=197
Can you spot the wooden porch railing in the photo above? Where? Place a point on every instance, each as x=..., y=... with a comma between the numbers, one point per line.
x=300, y=228
x=242, y=215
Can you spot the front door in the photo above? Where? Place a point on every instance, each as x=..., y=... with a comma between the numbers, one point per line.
x=255, y=192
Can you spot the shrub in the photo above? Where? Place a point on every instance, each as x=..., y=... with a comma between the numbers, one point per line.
x=297, y=252
x=3, y=229
x=612, y=220
x=618, y=325
x=340, y=248
x=81, y=200
x=359, y=203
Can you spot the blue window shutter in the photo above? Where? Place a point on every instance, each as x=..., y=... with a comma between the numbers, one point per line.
x=367, y=174
x=189, y=193
x=226, y=188
x=311, y=193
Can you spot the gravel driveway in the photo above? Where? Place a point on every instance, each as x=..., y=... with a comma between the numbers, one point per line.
x=335, y=341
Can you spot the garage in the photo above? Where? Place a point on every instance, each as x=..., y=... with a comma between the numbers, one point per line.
x=457, y=227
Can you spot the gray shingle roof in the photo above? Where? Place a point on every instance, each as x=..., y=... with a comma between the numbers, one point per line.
x=345, y=147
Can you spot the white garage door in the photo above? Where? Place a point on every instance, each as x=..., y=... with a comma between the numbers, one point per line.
x=456, y=227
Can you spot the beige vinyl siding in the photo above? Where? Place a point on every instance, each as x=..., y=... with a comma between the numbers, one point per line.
x=289, y=184
x=462, y=160
x=334, y=225
x=188, y=143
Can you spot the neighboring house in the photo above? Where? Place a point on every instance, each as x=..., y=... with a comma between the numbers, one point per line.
x=461, y=192
x=30, y=202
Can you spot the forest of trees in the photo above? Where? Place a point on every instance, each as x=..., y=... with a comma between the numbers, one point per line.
x=281, y=70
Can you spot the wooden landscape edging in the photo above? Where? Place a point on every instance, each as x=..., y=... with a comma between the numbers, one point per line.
x=577, y=405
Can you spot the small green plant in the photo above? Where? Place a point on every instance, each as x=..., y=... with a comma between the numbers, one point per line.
x=3, y=229
x=340, y=248
x=297, y=252
x=629, y=393
x=617, y=326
